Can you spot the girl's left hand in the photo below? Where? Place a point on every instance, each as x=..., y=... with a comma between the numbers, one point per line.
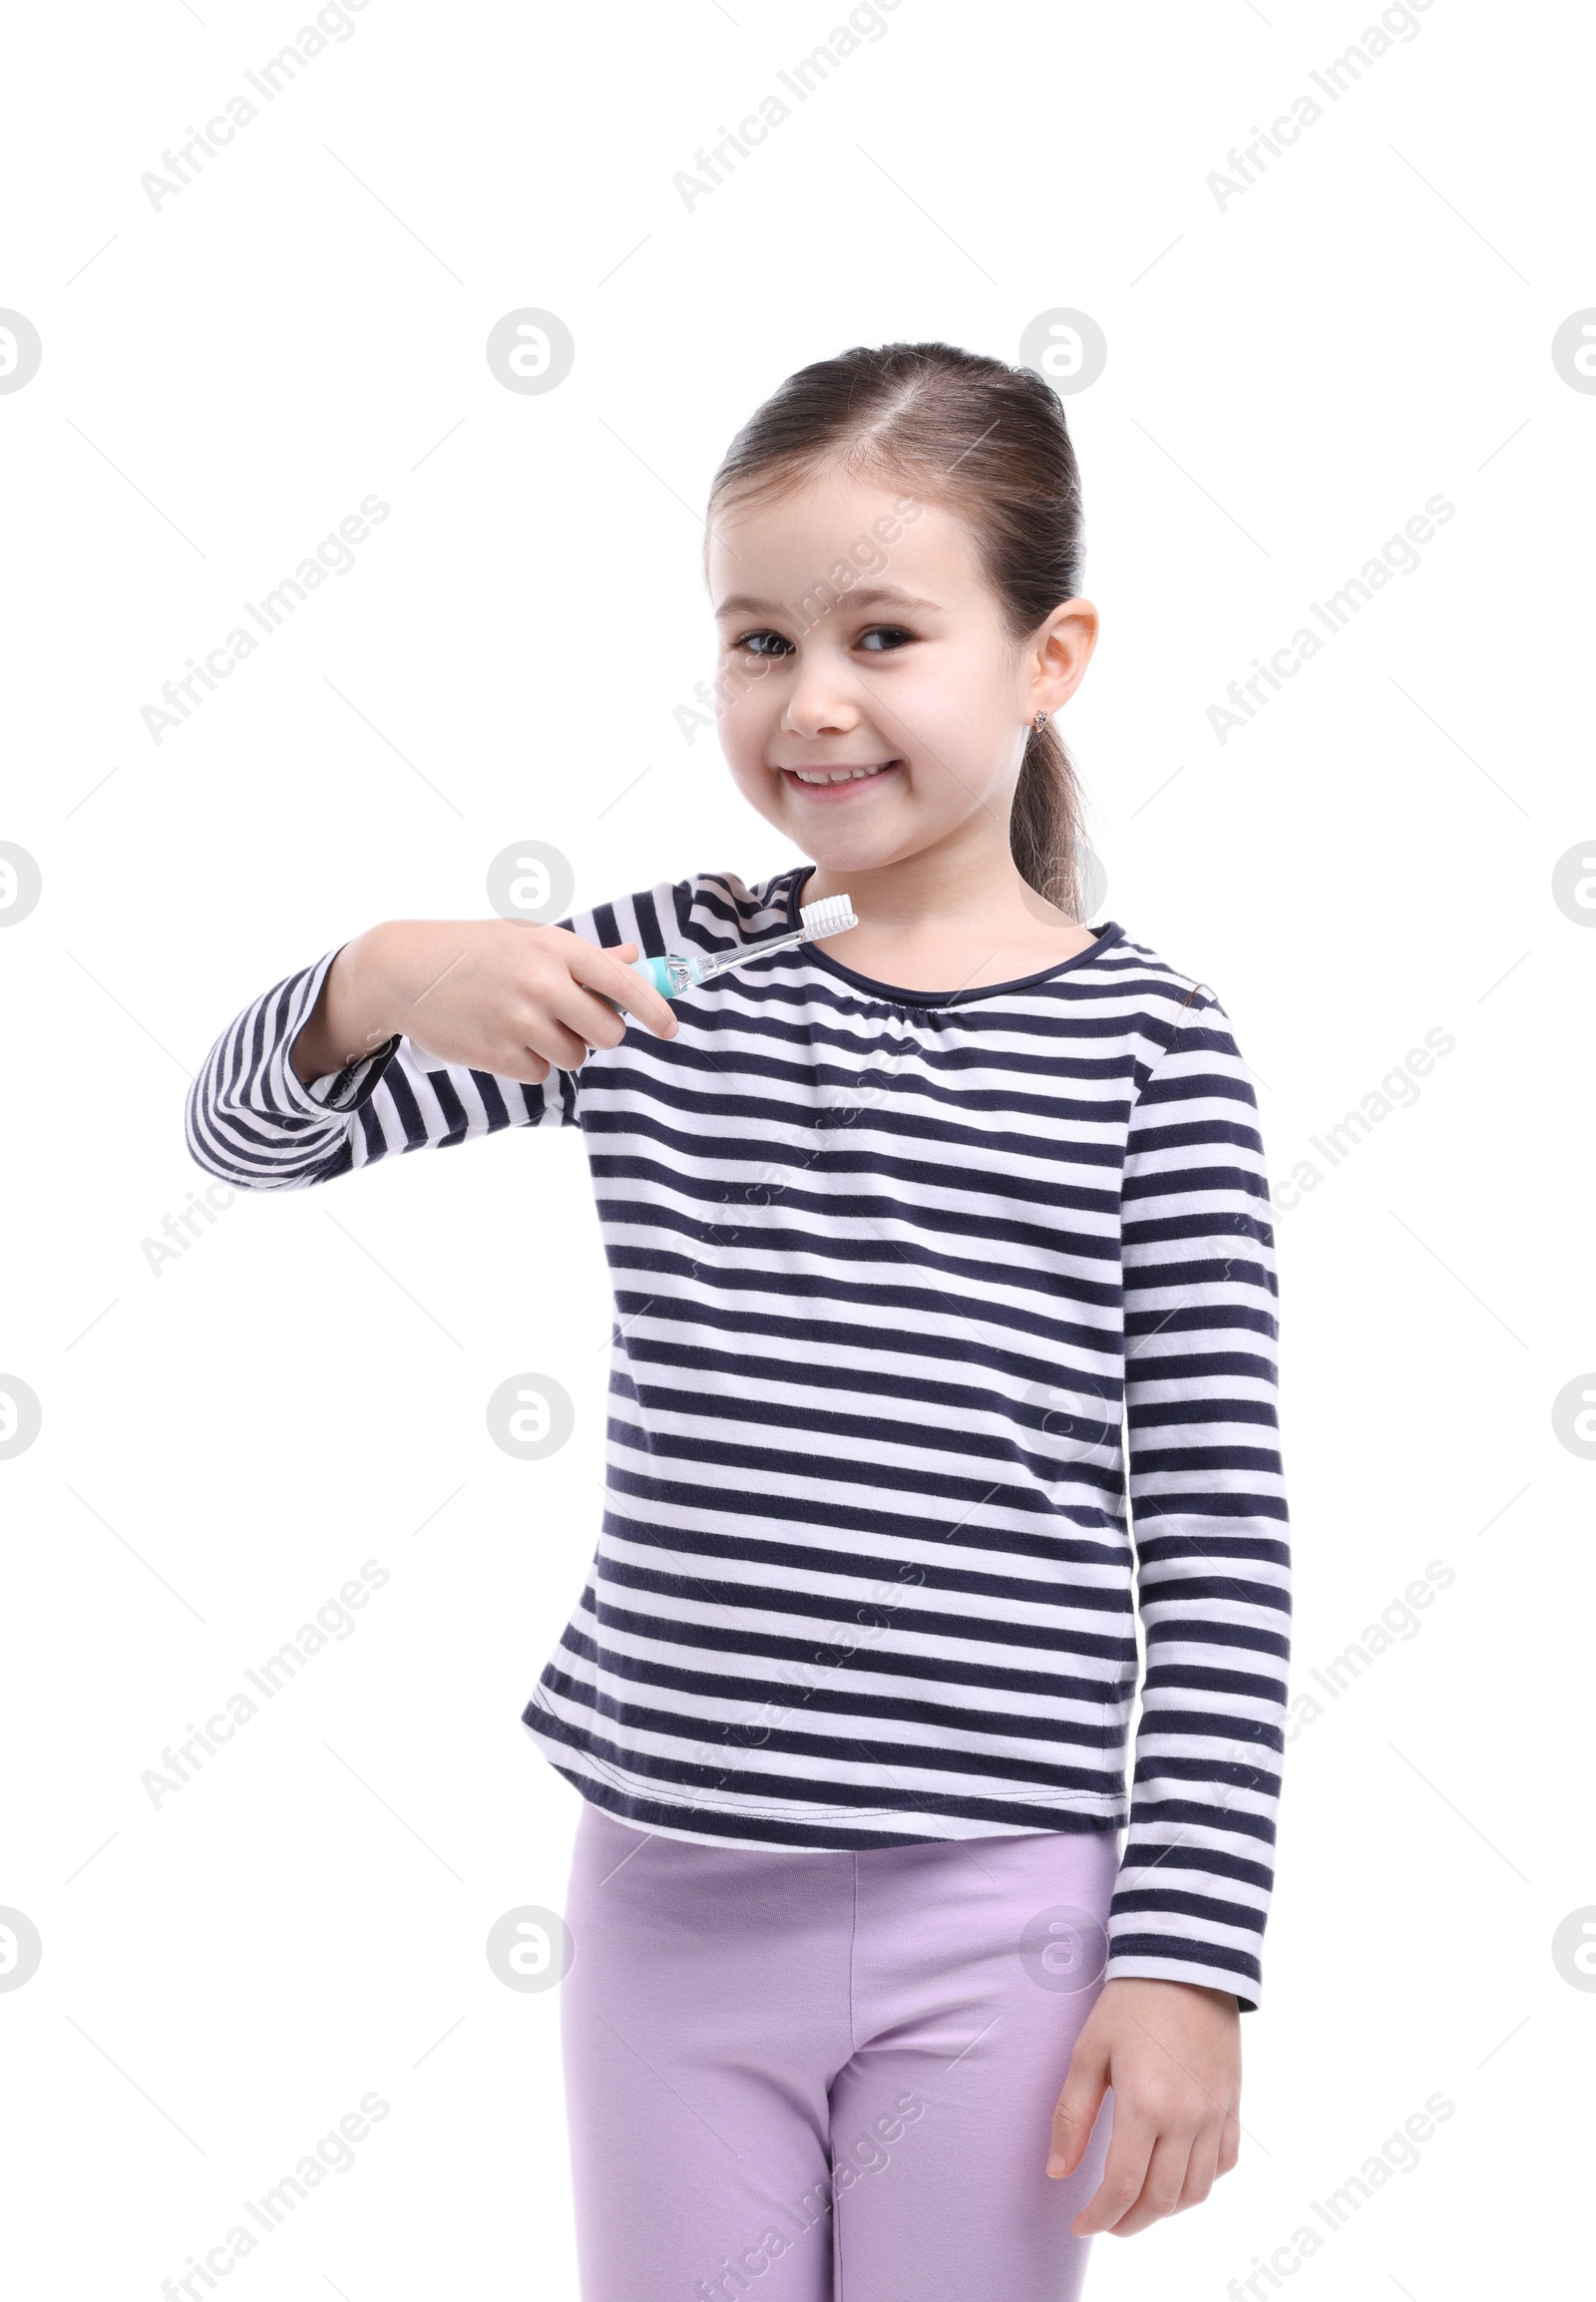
x=1171, y=2051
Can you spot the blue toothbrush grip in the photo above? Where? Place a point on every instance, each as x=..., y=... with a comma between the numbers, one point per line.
x=656, y=972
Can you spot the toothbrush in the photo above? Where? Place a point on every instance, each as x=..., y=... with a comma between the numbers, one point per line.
x=678, y=971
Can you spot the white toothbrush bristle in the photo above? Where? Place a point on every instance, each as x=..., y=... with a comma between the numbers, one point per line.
x=828, y=916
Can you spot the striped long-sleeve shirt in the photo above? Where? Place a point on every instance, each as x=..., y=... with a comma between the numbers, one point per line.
x=943, y=1343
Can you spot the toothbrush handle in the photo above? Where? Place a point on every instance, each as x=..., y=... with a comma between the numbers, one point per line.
x=655, y=972
x=741, y=953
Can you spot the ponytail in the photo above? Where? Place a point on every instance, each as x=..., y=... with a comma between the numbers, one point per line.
x=1046, y=837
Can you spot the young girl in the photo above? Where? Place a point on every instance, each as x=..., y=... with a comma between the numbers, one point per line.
x=939, y=1245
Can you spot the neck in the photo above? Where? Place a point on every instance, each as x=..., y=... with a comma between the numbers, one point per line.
x=968, y=875
x=932, y=921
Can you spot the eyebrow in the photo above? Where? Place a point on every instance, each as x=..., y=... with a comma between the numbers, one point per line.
x=862, y=596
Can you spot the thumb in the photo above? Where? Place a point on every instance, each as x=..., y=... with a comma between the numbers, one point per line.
x=1079, y=2100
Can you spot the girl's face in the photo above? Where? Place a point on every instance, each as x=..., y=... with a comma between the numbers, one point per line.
x=859, y=640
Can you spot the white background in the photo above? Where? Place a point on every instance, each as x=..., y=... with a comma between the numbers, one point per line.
x=1288, y=379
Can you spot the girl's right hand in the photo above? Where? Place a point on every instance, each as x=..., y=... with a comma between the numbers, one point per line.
x=498, y=995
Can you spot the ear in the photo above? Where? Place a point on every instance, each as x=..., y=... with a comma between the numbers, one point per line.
x=1060, y=654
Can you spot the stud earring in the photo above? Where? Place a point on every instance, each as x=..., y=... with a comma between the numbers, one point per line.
x=1040, y=721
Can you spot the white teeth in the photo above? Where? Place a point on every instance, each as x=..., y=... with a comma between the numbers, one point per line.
x=838, y=775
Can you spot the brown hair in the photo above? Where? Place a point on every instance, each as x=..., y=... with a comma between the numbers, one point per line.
x=990, y=443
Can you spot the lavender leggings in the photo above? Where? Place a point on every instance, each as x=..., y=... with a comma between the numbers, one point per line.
x=821, y=2077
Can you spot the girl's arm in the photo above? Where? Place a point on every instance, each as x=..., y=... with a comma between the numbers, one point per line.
x=1207, y=1494
x=320, y=1073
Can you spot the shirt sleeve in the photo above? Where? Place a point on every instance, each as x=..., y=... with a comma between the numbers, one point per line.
x=1207, y=1496
x=251, y=1119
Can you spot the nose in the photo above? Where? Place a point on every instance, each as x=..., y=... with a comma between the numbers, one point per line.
x=818, y=702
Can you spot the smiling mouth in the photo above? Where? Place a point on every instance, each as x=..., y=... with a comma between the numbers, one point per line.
x=843, y=776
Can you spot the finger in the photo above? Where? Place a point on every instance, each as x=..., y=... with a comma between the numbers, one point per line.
x=1229, y=2144
x=529, y=1068
x=575, y=1020
x=613, y=974
x=564, y=1047
x=1130, y=2149
x=1075, y=2112
x=1202, y=2168
x=592, y=1019
x=602, y=970
x=1162, y=2184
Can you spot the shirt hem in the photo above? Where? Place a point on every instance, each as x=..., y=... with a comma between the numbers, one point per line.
x=674, y=1811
